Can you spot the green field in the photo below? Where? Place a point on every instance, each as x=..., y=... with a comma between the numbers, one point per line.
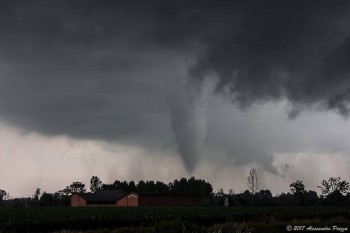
x=186, y=219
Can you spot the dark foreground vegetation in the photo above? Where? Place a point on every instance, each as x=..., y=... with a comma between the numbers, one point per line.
x=253, y=210
x=179, y=219
x=334, y=192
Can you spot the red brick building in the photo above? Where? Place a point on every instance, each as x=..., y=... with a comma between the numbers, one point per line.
x=119, y=198
x=158, y=199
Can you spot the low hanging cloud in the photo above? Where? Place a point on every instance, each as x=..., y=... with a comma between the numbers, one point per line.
x=275, y=50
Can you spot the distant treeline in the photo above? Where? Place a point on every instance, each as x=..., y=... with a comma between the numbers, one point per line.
x=335, y=192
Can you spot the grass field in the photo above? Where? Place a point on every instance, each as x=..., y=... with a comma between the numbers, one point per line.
x=186, y=219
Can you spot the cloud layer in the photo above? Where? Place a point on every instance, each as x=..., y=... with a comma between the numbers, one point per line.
x=136, y=73
x=267, y=51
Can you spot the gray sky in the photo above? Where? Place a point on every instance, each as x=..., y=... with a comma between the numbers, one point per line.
x=170, y=89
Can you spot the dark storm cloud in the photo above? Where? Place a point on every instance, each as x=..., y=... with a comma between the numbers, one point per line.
x=297, y=50
x=91, y=69
x=104, y=69
x=71, y=69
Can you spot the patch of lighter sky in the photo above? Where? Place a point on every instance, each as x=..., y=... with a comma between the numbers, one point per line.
x=31, y=160
x=311, y=168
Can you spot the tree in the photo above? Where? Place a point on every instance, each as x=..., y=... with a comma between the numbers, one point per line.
x=75, y=187
x=119, y=185
x=219, y=193
x=108, y=187
x=3, y=194
x=265, y=198
x=298, y=189
x=95, y=184
x=36, y=196
x=132, y=186
x=231, y=192
x=285, y=199
x=61, y=197
x=333, y=189
x=311, y=198
x=141, y=186
x=253, y=182
x=47, y=199
x=191, y=186
x=334, y=185
x=244, y=198
x=218, y=198
x=161, y=187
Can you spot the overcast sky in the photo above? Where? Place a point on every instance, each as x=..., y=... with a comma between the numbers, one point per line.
x=160, y=90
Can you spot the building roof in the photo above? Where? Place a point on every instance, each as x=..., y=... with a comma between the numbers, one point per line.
x=103, y=195
x=168, y=194
x=115, y=195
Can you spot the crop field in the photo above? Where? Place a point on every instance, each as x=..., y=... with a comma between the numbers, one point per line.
x=186, y=219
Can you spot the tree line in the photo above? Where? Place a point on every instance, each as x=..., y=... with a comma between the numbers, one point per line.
x=62, y=197
x=334, y=192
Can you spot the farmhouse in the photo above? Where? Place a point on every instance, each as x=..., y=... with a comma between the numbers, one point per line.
x=119, y=198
